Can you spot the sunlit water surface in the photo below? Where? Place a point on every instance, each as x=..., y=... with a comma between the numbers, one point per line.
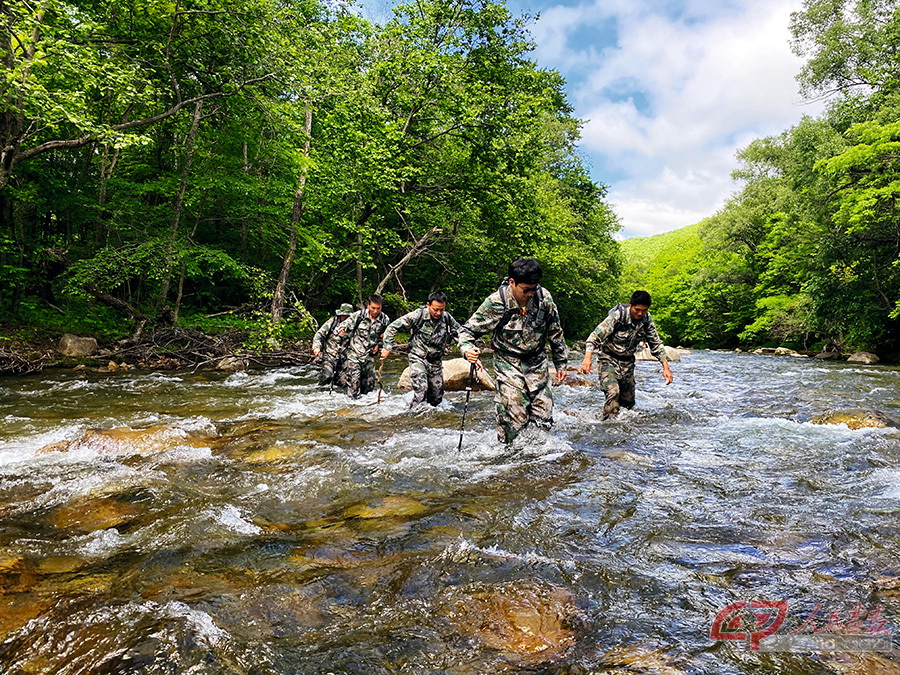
x=258, y=524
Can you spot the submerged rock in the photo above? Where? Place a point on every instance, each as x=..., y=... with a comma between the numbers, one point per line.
x=456, y=377
x=636, y=660
x=92, y=514
x=396, y=506
x=523, y=618
x=125, y=439
x=857, y=418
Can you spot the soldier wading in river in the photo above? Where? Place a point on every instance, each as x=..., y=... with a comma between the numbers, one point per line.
x=615, y=339
x=521, y=318
x=431, y=328
x=326, y=343
x=361, y=334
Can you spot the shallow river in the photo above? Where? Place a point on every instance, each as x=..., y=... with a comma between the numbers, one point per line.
x=251, y=523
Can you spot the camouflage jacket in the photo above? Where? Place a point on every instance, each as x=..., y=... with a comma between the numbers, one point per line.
x=619, y=336
x=428, y=337
x=360, y=334
x=525, y=333
x=326, y=338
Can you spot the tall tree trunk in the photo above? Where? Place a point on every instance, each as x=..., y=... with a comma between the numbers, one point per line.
x=180, y=293
x=178, y=207
x=244, y=222
x=296, y=215
x=107, y=166
x=359, y=272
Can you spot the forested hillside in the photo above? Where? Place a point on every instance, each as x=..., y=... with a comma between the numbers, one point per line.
x=808, y=251
x=274, y=159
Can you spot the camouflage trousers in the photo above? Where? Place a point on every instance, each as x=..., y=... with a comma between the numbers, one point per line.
x=427, y=381
x=617, y=382
x=357, y=376
x=523, y=395
x=326, y=363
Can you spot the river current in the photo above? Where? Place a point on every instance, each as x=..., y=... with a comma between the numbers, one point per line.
x=253, y=523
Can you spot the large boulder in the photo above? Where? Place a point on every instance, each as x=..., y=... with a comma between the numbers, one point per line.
x=231, y=364
x=778, y=351
x=75, y=346
x=828, y=356
x=573, y=378
x=862, y=357
x=784, y=351
x=857, y=418
x=456, y=377
x=645, y=355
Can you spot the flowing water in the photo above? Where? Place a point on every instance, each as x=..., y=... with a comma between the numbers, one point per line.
x=252, y=523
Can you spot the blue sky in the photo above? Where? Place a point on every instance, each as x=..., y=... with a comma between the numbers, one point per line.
x=668, y=92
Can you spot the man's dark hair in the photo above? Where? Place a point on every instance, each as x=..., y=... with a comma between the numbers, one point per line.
x=526, y=271
x=375, y=299
x=437, y=296
x=640, y=298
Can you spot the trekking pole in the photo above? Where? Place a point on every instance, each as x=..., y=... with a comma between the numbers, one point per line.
x=380, y=384
x=462, y=424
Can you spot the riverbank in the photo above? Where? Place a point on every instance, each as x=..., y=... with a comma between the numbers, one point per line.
x=28, y=349
x=25, y=350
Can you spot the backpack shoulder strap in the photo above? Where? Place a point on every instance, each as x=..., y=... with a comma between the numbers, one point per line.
x=507, y=312
x=417, y=326
x=331, y=329
x=359, y=319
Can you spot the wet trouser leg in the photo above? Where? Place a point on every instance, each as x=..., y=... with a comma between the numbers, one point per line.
x=326, y=373
x=427, y=381
x=523, y=395
x=368, y=381
x=617, y=382
x=357, y=376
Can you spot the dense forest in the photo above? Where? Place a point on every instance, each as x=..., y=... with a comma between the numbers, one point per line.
x=807, y=253
x=254, y=163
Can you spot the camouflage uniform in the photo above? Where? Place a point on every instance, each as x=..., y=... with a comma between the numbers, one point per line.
x=617, y=338
x=523, y=379
x=428, y=339
x=359, y=337
x=327, y=341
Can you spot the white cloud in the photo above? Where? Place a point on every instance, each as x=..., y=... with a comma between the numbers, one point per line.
x=703, y=86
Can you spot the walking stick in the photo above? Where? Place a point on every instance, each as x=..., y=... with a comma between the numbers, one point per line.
x=380, y=385
x=466, y=406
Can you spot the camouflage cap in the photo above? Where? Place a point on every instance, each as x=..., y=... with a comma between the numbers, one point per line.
x=345, y=310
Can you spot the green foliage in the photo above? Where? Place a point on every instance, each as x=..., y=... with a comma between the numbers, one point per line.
x=438, y=152
x=808, y=252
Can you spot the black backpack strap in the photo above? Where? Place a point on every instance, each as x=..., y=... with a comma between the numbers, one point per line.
x=507, y=312
x=417, y=326
x=510, y=313
x=331, y=329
